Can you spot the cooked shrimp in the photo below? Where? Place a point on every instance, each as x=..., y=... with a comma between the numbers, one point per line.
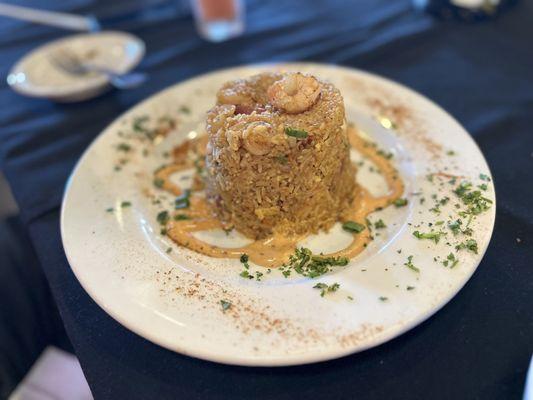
x=295, y=93
x=257, y=138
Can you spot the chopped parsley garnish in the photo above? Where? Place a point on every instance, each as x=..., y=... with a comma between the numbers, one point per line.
x=305, y=263
x=383, y=298
x=123, y=147
x=226, y=305
x=455, y=226
x=483, y=186
x=384, y=154
x=435, y=236
x=110, y=209
x=258, y=275
x=324, y=288
x=158, y=182
x=296, y=133
x=169, y=249
x=163, y=217
x=409, y=264
x=246, y=274
x=244, y=260
x=183, y=200
x=410, y=288
x=450, y=153
x=473, y=199
x=185, y=110
x=125, y=204
x=451, y=260
x=352, y=226
x=349, y=298
x=484, y=177
x=380, y=224
x=469, y=244
x=138, y=124
x=181, y=217
x=400, y=202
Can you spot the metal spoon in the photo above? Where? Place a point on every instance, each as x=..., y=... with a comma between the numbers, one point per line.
x=70, y=63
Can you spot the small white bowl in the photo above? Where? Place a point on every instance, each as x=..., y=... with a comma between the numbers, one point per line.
x=36, y=76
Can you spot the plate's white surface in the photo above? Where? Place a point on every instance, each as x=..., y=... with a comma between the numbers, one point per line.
x=173, y=299
x=35, y=75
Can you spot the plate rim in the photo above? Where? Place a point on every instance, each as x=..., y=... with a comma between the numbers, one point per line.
x=300, y=359
x=99, y=83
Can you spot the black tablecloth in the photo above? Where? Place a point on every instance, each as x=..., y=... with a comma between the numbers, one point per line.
x=476, y=347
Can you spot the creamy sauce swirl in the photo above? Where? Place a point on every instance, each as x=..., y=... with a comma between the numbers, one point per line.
x=276, y=249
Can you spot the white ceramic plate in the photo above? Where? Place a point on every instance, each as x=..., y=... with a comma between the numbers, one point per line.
x=35, y=75
x=173, y=299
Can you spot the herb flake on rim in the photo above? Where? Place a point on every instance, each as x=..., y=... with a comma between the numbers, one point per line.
x=409, y=264
x=435, y=236
x=324, y=288
x=226, y=305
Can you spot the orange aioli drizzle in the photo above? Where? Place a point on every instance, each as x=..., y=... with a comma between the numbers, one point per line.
x=275, y=250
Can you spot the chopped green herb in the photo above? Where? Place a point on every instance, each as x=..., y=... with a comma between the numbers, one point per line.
x=226, y=305
x=163, y=217
x=324, y=288
x=410, y=288
x=383, y=298
x=296, y=133
x=400, y=202
x=163, y=231
x=455, y=226
x=352, y=226
x=473, y=199
x=244, y=260
x=258, y=275
x=246, y=274
x=380, y=224
x=384, y=154
x=305, y=263
x=484, y=177
x=183, y=200
x=125, y=204
x=409, y=264
x=451, y=260
x=123, y=147
x=110, y=209
x=350, y=298
x=169, y=249
x=185, y=110
x=138, y=123
x=483, y=186
x=158, y=182
x=435, y=236
x=181, y=217
x=450, y=153
x=469, y=244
